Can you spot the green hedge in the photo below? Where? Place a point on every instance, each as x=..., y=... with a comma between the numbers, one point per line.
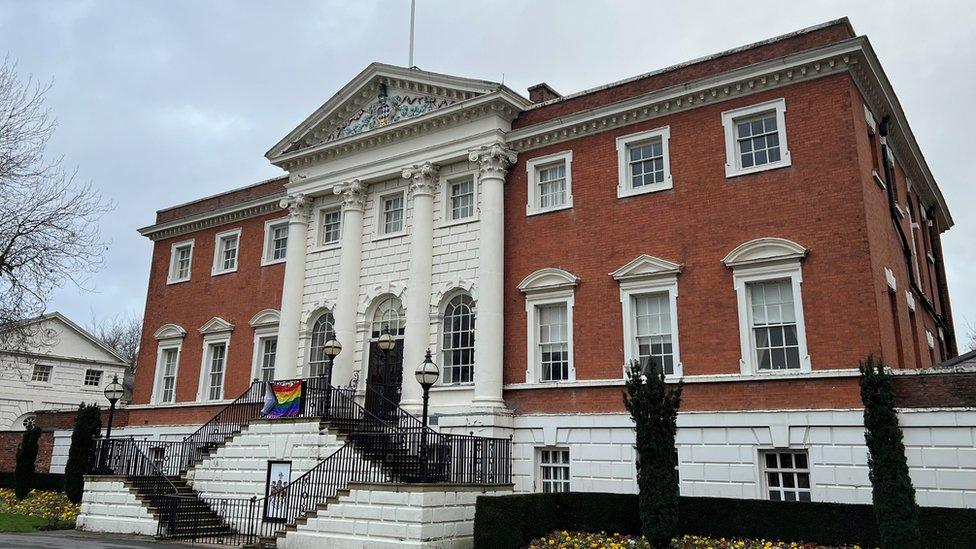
x=40, y=481
x=512, y=521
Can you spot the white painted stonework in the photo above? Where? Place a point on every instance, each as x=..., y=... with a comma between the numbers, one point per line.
x=62, y=439
x=388, y=516
x=107, y=505
x=69, y=351
x=719, y=452
x=426, y=263
x=239, y=468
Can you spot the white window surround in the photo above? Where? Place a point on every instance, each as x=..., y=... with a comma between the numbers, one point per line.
x=547, y=286
x=218, y=259
x=929, y=339
x=559, y=466
x=446, y=182
x=260, y=336
x=265, y=324
x=171, y=277
x=764, y=260
x=162, y=347
x=532, y=168
x=320, y=243
x=642, y=276
x=624, y=179
x=203, y=387
x=732, y=163
x=381, y=218
x=269, y=228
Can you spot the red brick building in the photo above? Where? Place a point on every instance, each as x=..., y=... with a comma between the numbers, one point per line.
x=756, y=222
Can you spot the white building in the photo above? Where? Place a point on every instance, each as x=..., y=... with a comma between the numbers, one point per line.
x=61, y=366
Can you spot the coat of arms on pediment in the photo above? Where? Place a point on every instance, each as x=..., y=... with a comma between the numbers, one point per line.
x=387, y=109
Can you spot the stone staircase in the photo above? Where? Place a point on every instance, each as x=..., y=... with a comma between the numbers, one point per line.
x=210, y=487
x=193, y=517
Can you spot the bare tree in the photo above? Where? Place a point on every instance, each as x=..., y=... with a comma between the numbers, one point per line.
x=120, y=332
x=48, y=222
x=970, y=336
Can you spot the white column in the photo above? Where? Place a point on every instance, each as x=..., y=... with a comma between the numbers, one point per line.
x=353, y=195
x=423, y=185
x=286, y=361
x=493, y=161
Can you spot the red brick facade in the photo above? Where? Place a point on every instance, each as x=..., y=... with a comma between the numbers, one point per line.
x=234, y=297
x=827, y=200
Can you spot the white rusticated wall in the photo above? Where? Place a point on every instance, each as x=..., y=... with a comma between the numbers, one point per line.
x=107, y=505
x=385, y=266
x=239, y=469
x=62, y=439
x=391, y=516
x=719, y=452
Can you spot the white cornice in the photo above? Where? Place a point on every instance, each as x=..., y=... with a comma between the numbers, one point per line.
x=213, y=218
x=722, y=87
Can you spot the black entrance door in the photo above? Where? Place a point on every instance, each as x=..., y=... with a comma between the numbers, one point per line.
x=384, y=379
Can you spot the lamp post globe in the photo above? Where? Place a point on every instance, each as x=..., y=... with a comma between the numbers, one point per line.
x=426, y=374
x=386, y=341
x=113, y=392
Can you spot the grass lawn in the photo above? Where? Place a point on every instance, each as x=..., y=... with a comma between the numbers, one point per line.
x=10, y=522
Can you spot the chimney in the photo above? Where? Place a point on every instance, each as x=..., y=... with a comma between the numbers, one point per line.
x=542, y=92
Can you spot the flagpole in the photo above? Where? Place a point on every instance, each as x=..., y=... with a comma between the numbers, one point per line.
x=413, y=12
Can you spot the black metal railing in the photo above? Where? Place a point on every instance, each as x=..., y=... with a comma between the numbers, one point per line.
x=384, y=444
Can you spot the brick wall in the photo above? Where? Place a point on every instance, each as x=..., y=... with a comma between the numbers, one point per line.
x=263, y=189
x=235, y=297
x=705, y=215
x=689, y=72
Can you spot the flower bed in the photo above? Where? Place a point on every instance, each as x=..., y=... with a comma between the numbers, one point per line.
x=52, y=506
x=586, y=540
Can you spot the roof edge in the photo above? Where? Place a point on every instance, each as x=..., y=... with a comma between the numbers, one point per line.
x=806, y=30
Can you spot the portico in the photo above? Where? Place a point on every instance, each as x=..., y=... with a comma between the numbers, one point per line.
x=413, y=164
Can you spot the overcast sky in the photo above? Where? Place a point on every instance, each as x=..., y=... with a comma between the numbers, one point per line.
x=163, y=102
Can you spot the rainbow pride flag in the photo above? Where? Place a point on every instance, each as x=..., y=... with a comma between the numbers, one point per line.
x=282, y=399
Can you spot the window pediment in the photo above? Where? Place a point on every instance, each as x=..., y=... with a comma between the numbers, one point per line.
x=548, y=279
x=764, y=250
x=266, y=317
x=646, y=267
x=170, y=331
x=216, y=325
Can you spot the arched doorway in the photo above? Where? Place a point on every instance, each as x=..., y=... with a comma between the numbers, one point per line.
x=384, y=376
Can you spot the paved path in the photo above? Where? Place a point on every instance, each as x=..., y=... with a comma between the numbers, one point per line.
x=70, y=539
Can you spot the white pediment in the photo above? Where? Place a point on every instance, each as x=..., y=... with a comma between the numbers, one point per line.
x=216, y=325
x=170, y=331
x=646, y=266
x=380, y=96
x=548, y=279
x=764, y=250
x=266, y=317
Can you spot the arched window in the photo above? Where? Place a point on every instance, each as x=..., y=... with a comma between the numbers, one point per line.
x=322, y=331
x=458, y=346
x=388, y=314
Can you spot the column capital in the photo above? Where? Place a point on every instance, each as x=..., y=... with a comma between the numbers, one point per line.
x=353, y=194
x=298, y=206
x=493, y=160
x=422, y=178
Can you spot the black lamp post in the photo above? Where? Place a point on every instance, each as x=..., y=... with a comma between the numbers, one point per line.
x=331, y=349
x=427, y=374
x=113, y=392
